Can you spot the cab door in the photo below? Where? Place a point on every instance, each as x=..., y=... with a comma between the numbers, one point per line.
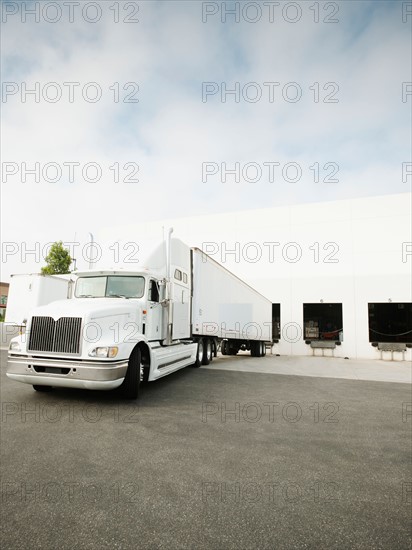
x=154, y=313
x=181, y=305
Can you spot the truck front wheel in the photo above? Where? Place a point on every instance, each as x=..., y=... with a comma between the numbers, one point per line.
x=131, y=383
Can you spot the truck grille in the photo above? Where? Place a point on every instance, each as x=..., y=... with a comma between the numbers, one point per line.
x=61, y=336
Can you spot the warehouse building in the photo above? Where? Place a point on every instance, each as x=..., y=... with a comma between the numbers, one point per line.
x=338, y=273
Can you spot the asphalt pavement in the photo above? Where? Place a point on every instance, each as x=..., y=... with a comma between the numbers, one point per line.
x=208, y=459
x=319, y=367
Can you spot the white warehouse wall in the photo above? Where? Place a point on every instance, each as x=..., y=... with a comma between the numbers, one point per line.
x=362, y=256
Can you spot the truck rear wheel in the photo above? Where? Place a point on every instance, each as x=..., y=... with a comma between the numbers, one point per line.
x=223, y=347
x=131, y=383
x=199, y=354
x=207, y=355
x=42, y=388
x=232, y=347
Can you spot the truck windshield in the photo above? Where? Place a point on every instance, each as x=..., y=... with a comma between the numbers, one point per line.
x=113, y=286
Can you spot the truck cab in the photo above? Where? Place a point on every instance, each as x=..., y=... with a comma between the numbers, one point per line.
x=137, y=292
x=113, y=333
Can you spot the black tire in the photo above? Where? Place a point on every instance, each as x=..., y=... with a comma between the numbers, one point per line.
x=131, y=383
x=254, y=349
x=263, y=349
x=223, y=347
x=207, y=355
x=199, y=354
x=42, y=388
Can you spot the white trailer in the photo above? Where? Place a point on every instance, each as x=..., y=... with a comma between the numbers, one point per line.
x=122, y=327
x=238, y=316
x=28, y=291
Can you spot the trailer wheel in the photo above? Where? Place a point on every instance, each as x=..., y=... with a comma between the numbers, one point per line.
x=131, y=383
x=207, y=355
x=263, y=349
x=42, y=388
x=199, y=354
x=254, y=349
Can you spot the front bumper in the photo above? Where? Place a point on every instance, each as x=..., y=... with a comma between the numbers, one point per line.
x=90, y=375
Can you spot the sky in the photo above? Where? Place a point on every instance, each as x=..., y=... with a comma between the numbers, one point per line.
x=115, y=112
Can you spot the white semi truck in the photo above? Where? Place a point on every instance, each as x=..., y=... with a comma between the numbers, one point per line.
x=124, y=327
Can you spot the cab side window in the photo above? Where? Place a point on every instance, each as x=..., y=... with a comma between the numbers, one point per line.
x=153, y=291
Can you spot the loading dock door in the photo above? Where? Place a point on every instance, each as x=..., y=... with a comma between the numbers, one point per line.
x=390, y=322
x=275, y=322
x=323, y=322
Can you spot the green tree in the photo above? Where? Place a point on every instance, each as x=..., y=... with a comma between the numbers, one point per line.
x=58, y=260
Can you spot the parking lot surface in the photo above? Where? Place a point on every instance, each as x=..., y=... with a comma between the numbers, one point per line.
x=208, y=459
x=319, y=367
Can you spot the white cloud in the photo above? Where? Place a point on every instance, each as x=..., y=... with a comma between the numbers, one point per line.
x=171, y=132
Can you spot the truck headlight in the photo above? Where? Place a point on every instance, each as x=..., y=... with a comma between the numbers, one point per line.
x=105, y=351
x=15, y=346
